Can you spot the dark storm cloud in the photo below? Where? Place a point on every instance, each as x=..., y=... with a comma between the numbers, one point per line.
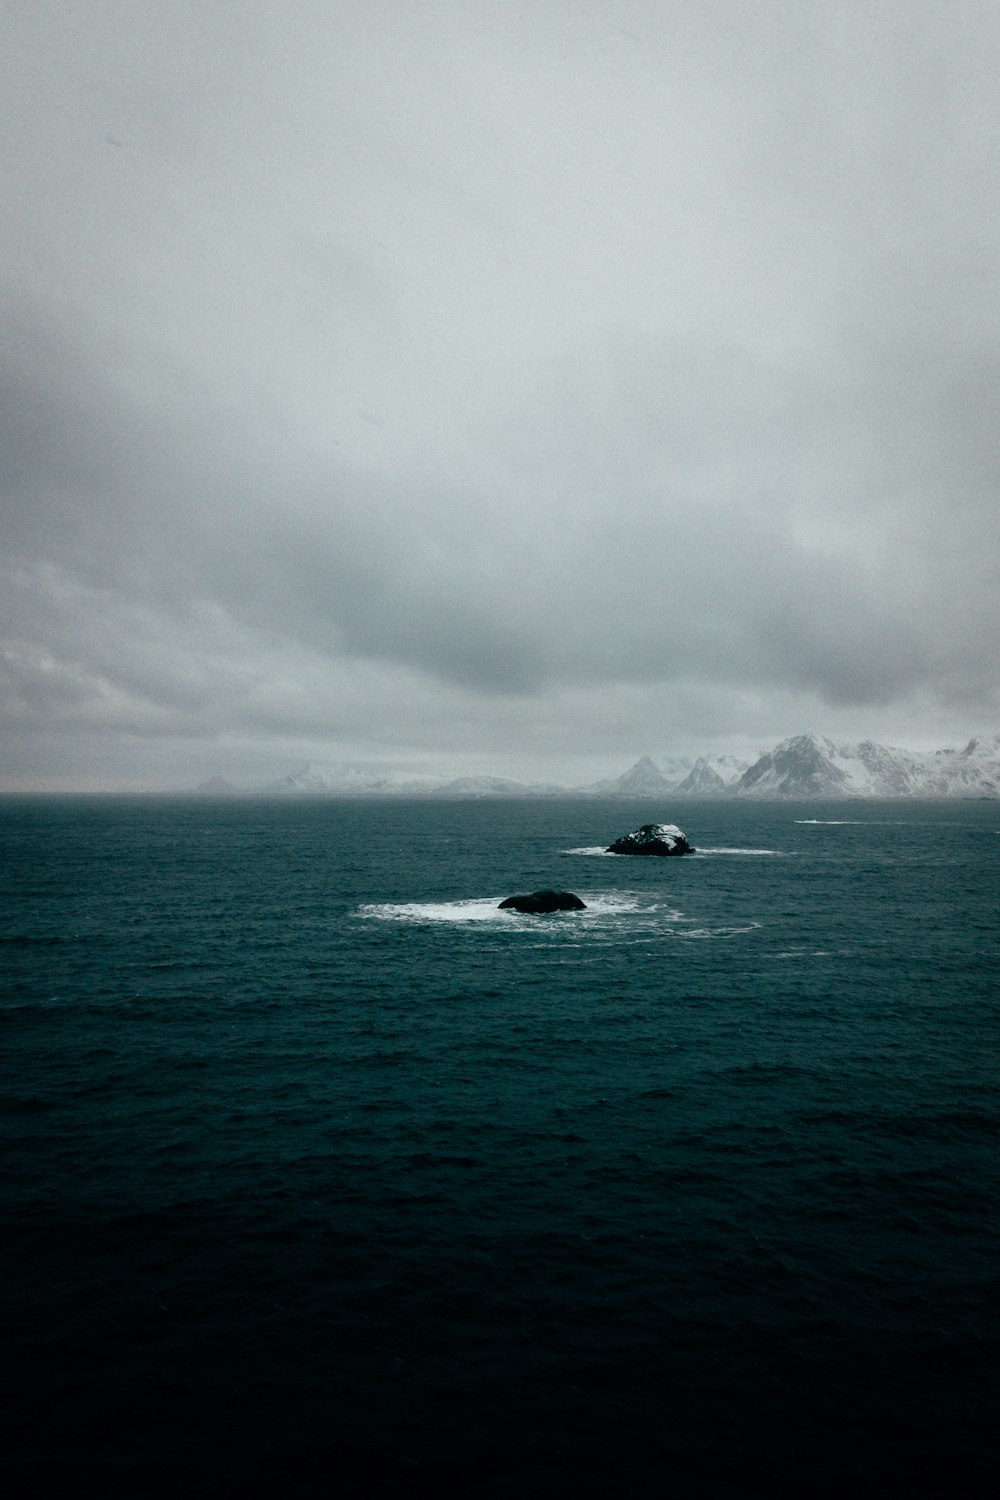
x=474, y=365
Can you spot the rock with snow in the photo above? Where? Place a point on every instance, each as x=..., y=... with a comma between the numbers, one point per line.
x=539, y=902
x=652, y=838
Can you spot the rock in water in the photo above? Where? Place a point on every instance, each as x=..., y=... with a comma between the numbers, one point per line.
x=543, y=901
x=652, y=838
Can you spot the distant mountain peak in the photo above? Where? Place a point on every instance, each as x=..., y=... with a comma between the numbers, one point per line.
x=703, y=780
x=987, y=745
x=807, y=765
x=215, y=786
x=644, y=779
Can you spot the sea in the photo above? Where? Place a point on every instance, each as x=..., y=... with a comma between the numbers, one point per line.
x=324, y=1176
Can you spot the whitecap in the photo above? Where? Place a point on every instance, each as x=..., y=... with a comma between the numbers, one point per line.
x=601, y=853
x=477, y=909
x=779, y=853
x=799, y=953
x=832, y=822
x=628, y=903
x=718, y=932
x=600, y=905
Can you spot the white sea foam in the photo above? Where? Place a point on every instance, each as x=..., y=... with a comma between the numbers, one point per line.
x=630, y=903
x=833, y=822
x=779, y=853
x=718, y=932
x=479, y=909
x=599, y=906
x=599, y=853
x=799, y=953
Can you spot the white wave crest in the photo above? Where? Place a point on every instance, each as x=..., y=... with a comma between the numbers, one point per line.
x=478, y=909
x=833, y=822
x=778, y=853
x=599, y=906
x=718, y=932
x=599, y=853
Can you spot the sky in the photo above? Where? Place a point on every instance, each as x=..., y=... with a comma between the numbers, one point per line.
x=493, y=385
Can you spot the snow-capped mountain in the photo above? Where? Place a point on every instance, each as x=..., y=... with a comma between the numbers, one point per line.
x=701, y=781
x=711, y=776
x=804, y=766
x=972, y=772
x=492, y=786
x=346, y=778
x=644, y=779
x=808, y=765
x=349, y=779
x=215, y=786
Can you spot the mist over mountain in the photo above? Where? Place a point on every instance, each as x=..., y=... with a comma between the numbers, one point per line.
x=644, y=779
x=803, y=766
x=349, y=778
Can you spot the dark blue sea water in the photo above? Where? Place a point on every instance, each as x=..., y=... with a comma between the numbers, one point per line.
x=323, y=1176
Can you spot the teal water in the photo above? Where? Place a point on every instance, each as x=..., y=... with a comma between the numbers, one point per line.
x=322, y=1175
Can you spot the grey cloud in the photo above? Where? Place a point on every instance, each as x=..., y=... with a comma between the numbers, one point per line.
x=498, y=363
x=650, y=585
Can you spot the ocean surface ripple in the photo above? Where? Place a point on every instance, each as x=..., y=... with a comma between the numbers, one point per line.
x=323, y=1174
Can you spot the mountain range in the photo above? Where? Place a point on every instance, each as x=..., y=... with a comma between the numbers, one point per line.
x=807, y=765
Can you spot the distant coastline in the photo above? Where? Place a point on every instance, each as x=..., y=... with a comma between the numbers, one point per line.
x=802, y=767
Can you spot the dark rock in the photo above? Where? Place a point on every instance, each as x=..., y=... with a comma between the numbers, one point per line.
x=543, y=901
x=652, y=838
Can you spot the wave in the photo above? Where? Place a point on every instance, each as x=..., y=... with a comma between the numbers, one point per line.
x=475, y=909
x=611, y=914
x=600, y=905
x=777, y=853
x=718, y=932
x=799, y=953
x=867, y=822
x=599, y=852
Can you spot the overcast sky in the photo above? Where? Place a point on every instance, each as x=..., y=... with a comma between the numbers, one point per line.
x=511, y=385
